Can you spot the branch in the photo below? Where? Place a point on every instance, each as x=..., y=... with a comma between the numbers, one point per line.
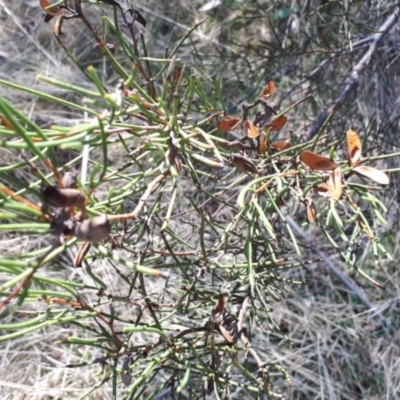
x=150, y=188
x=351, y=82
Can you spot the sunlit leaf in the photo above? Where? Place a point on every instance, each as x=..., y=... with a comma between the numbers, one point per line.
x=353, y=148
x=277, y=124
x=228, y=125
x=250, y=130
x=374, y=174
x=335, y=183
x=317, y=162
x=268, y=90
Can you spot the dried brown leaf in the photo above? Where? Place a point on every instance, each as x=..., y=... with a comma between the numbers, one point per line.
x=220, y=306
x=48, y=17
x=228, y=125
x=354, y=148
x=335, y=183
x=311, y=210
x=373, y=174
x=280, y=145
x=322, y=190
x=6, y=122
x=263, y=116
x=317, y=162
x=250, y=130
x=243, y=163
x=139, y=18
x=276, y=124
x=58, y=25
x=268, y=90
x=228, y=337
x=261, y=143
x=53, y=11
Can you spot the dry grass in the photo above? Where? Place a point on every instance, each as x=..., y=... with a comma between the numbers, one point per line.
x=333, y=349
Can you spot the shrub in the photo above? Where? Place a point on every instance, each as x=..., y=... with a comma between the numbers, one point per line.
x=176, y=221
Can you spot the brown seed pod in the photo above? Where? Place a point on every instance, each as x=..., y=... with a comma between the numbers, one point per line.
x=93, y=230
x=62, y=197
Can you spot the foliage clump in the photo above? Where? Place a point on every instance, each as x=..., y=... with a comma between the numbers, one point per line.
x=200, y=219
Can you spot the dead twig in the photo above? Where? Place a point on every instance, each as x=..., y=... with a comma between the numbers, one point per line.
x=351, y=82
